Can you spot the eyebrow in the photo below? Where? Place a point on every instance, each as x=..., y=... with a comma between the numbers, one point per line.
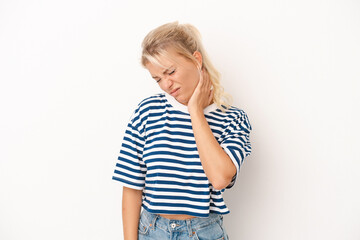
x=164, y=72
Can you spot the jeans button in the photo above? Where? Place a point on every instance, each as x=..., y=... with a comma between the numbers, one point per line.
x=173, y=225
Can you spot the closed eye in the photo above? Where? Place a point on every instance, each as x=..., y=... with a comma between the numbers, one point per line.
x=170, y=73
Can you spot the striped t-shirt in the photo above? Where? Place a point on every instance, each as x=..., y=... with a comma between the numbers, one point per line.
x=159, y=156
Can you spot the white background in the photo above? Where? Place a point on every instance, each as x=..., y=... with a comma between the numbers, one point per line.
x=71, y=76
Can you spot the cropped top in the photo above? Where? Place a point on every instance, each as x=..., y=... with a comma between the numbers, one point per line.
x=159, y=156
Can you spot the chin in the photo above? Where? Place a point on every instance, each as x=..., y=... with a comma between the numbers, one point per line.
x=182, y=101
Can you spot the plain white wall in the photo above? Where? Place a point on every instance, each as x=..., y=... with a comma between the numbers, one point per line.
x=70, y=79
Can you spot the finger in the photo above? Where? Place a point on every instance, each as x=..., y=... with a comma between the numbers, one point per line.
x=201, y=78
x=205, y=75
x=209, y=83
x=206, y=79
x=211, y=96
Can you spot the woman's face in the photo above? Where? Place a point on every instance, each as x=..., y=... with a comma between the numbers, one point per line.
x=180, y=76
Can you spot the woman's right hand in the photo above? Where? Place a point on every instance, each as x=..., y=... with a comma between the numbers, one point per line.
x=203, y=93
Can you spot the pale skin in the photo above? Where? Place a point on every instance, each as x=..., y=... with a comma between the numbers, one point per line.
x=191, y=87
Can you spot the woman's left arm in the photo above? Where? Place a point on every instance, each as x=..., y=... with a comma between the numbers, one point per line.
x=217, y=165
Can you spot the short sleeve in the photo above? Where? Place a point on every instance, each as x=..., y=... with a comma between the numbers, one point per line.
x=130, y=169
x=236, y=141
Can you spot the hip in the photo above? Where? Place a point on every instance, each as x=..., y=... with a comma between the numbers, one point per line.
x=156, y=226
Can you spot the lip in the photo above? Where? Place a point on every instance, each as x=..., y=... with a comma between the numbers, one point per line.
x=174, y=92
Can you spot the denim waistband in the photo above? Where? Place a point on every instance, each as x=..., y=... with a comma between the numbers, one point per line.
x=171, y=225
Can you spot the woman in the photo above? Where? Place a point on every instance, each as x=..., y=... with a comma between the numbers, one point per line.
x=183, y=147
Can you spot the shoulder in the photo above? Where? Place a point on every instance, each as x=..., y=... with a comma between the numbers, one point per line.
x=238, y=117
x=140, y=115
x=151, y=101
x=147, y=104
x=233, y=113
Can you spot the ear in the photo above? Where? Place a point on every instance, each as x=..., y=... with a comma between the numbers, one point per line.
x=198, y=57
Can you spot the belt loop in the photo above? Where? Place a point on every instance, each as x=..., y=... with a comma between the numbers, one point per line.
x=189, y=228
x=152, y=225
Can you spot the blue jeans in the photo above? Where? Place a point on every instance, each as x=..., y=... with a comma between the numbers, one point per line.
x=153, y=226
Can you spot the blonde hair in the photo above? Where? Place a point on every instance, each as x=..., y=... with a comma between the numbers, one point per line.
x=185, y=39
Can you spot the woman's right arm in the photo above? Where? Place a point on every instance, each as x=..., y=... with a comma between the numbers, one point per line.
x=131, y=208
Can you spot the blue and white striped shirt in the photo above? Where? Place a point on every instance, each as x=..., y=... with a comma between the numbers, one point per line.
x=159, y=156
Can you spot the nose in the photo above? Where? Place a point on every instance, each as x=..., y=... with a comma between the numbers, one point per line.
x=168, y=82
